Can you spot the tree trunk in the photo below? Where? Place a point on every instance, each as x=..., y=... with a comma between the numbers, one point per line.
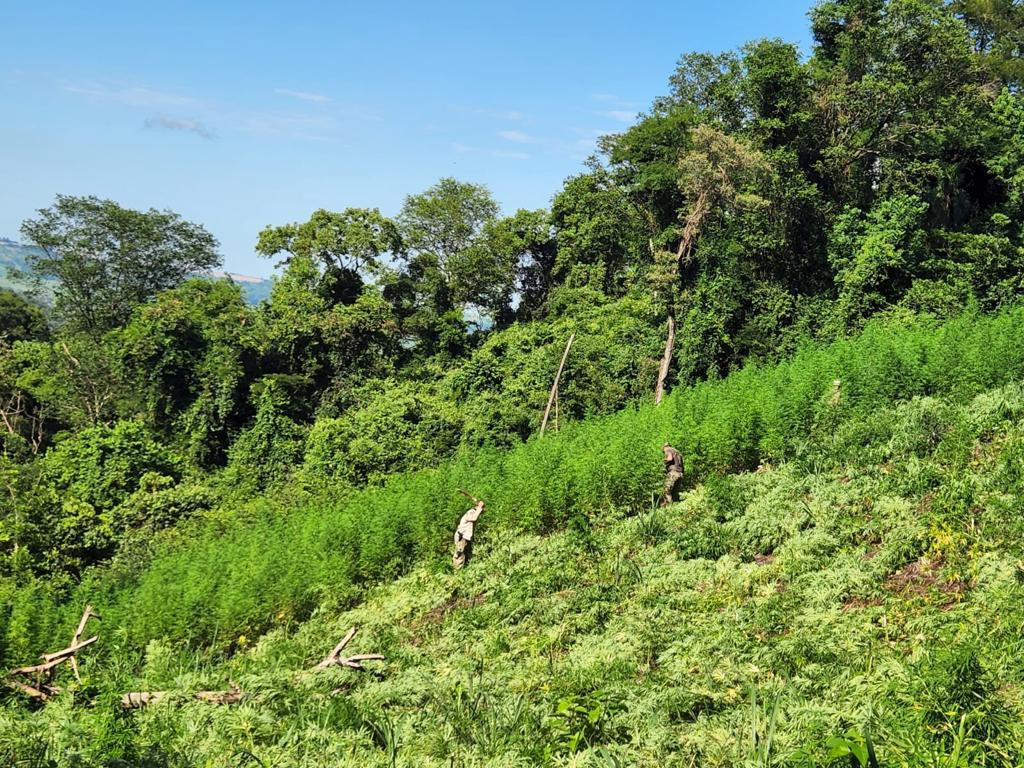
x=554, y=387
x=666, y=358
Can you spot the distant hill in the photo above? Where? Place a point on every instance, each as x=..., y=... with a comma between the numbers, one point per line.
x=256, y=289
x=14, y=258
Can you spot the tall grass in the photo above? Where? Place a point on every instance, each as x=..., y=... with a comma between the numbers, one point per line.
x=279, y=558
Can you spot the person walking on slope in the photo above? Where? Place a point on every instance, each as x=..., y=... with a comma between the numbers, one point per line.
x=673, y=474
x=464, y=533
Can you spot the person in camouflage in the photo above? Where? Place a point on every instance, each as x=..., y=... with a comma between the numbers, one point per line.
x=464, y=534
x=673, y=474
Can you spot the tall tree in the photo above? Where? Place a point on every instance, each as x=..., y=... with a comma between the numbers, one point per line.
x=713, y=175
x=108, y=259
x=444, y=229
x=997, y=29
x=344, y=246
x=599, y=233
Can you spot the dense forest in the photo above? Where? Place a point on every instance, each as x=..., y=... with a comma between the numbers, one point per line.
x=763, y=202
x=771, y=205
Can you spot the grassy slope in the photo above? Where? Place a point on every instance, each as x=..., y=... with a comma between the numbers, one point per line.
x=274, y=561
x=875, y=581
x=871, y=577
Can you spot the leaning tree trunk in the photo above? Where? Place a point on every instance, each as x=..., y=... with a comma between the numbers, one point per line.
x=554, y=387
x=666, y=358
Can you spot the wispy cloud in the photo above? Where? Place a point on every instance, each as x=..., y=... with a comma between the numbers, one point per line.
x=211, y=118
x=517, y=136
x=499, y=153
x=316, y=98
x=622, y=115
x=509, y=115
x=134, y=96
x=167, y=123
x=292, y=125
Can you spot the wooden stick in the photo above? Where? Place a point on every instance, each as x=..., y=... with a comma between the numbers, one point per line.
x=332, y=657
x=28, y=690
x=356, y=662
x=87, y=614
x=554, y=387
x=51, y=661
x=71, y=650
x=37, y=669
x=556, y=409
x=469, y=496
x=666, y=358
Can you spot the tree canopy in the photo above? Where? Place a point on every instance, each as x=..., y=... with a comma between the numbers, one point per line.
x=108, y=259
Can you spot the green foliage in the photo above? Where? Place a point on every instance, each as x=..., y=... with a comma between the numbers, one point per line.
x=397, y=428
x=239, y=568
x=102, y=465
x=343, y=246
x=20, y=319
x=110, y=259
x=503, y=386
x=598, y=233
x=229, y=479
x=266, y=453
x=87, y=478
x=444, y=230
x=190, y=357
x=875, y=256
x=73, y=380
x=881, y=629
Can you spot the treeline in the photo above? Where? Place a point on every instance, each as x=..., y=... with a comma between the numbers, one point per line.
x=765, y=201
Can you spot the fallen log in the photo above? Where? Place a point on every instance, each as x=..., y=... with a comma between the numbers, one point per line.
x=43, y=692
x=140, y=699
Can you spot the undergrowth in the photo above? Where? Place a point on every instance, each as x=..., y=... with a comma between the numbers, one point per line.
x=841, y=583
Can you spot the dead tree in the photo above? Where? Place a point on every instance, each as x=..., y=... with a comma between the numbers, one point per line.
x=37, y=679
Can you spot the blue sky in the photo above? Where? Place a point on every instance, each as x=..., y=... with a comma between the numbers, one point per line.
x=238, y=115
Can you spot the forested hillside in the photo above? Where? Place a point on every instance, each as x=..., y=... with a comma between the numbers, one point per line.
x=801, y=270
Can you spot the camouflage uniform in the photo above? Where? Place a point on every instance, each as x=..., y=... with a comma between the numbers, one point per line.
x=673, y=474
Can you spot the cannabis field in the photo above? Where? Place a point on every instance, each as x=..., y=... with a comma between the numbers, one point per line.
x=841, y=583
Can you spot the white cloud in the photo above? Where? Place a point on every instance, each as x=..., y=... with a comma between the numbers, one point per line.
x=510, y=115
x=317, y=98
x=622, y=115
x=517, y=136
x=210, y=117
x=134, y=96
